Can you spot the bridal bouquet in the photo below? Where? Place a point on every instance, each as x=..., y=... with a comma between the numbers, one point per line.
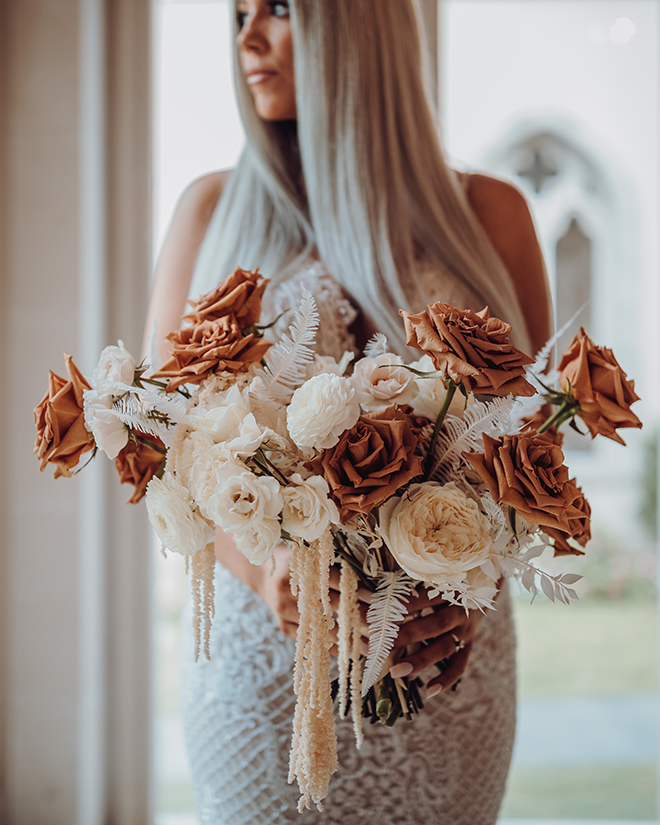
x=445, y=474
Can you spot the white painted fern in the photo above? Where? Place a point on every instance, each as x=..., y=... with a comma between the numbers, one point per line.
x=377, y=345
x=129, y=412
x=288, y=360
x=460, y=435
x=387, y=611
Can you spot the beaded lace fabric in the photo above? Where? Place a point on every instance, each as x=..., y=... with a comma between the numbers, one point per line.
x=446, y=767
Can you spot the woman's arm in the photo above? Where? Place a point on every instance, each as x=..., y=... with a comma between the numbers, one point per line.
x=168, y=299
x=176, y=263
x=503, y=213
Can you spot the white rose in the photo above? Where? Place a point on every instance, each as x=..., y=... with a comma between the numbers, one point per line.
x=307, y=509
x=232, y=423
x=110, y=434
x=257, y=543
x=116, y=365
x=179, y=527
x=432, y=393
x=379, y=384
x=244, y=503
x=321, y=410
x=436, y=533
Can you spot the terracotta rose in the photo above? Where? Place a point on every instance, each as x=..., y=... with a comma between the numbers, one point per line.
x=593, y=377
x=61, y=434
x=370, y=462
x=209, y=347
x=580, y=531
x=238, y=295
x=532, y=424
x=527, y=472
x=138, y=463
x=472, y=348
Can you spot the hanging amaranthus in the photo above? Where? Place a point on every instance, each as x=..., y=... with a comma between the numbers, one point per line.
x=313, y=757
x=350, y=637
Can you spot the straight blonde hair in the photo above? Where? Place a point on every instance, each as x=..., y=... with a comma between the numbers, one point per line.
x=360, y=180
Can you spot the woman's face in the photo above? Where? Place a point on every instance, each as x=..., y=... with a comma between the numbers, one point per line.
x=265, y=49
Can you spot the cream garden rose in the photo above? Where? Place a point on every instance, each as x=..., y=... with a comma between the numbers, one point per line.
x=307, y=509
x=116, y=365
x=110, y=434
x=382, y=381
x=180, y=528
x=249, y=507
x=432, y=391
x=321, y=410
x=436, y=533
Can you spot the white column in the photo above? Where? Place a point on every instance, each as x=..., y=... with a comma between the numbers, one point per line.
x=74, y=560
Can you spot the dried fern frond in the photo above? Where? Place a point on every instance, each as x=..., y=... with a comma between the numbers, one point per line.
x=287, y=361
x=377, y=345
x=388, y=609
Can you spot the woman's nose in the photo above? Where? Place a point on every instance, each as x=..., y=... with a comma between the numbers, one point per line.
x=252, y=37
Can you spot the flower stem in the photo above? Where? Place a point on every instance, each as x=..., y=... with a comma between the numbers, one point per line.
x=567, y=410
x=449, y=395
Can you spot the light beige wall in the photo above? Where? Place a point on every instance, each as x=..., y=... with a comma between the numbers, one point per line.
x=74, y=241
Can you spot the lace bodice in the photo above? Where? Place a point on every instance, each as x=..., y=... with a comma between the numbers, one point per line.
x=446, y=767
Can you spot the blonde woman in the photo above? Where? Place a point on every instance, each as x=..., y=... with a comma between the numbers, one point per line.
x=342, y=188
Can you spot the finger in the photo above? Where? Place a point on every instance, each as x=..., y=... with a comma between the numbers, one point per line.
x=420, y=600
x=289, y=629
x=439, y=649
x=428, y=627
x=455, y=669
x=335, y=574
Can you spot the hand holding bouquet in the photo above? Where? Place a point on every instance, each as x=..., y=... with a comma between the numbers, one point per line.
x=436, y=478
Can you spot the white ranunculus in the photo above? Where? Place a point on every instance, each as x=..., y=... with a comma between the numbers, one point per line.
x=116, y=365
x=110, y=434
x=321, y=410
x=308, y=509
x=180, y=528
x=244, y=503
x=436, y=533
x=383, y=381
x=231, y=423
x=431, y=395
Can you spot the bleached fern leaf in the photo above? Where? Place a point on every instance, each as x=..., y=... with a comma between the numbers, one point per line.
x=172, y=404
x=130, y=413
x=387, y=611
x=377, y=345
x=288, y=360
x=525, y=408
x=267, y=412
x=536, y=369
x=460, y=435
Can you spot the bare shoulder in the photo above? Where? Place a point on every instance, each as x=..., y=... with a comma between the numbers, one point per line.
x=200, y=197
x=504, y=214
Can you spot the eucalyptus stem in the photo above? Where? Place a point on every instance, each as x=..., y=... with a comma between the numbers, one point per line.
x=449, y=395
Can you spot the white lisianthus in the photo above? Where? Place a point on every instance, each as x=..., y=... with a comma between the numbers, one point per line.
x=180, y=528
x=321, y=410
x=382, y=381
x=232, y=423
x=308, y=509
x=116, y=365
x=247, y=505
x=436, y=533
x=110, y=434
x=432, y=393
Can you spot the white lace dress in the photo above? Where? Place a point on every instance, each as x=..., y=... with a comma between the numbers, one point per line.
x=446, y=767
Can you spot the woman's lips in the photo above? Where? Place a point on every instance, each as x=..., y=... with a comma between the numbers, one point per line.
x=259, y=77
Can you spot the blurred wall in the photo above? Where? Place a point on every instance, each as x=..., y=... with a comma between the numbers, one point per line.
x=74, y=212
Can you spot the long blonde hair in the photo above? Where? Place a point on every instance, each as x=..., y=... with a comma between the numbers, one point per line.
x=360, y=180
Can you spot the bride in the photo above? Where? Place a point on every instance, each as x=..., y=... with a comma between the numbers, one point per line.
x=342, y=188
